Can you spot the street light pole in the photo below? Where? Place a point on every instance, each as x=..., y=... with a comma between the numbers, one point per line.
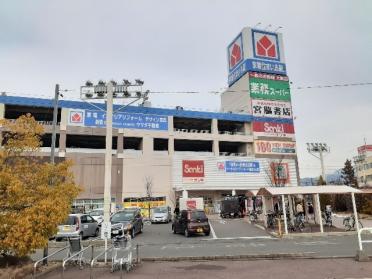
x=53, y=147
x=321, y=148
x=108, y=164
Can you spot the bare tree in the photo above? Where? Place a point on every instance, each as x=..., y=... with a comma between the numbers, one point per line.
x=276, y=173
x=148, y=188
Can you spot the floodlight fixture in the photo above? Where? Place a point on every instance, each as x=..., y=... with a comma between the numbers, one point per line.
x=88, y=83
x=139, y=82
x=126, y=82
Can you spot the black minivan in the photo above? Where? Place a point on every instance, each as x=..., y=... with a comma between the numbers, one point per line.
x=191, y=222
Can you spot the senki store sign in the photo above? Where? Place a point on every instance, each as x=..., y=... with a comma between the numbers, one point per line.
x=269, y=87
x=255, y=50
x=273, y=129
x=193, y=171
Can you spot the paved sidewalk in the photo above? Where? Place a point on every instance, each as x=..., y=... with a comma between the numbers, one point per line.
x=276, y=269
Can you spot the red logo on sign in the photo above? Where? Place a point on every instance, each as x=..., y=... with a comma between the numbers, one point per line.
x=236, y=55
x=273, y=128
x=191, y=204
x=265, y=47
x=192, y=168
x=76, y=117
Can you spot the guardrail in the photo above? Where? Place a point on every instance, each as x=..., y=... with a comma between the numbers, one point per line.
x=96, y=258
x=39, y=261
x=360, y=241
x=74, y=255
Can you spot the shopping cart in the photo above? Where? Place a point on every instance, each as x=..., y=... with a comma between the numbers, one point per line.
x=122, y=253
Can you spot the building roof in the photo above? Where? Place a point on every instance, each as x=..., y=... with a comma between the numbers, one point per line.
x=303, y=190
x=40, y=102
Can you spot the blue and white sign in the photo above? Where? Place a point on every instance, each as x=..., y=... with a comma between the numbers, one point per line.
x=256, y=66
x=127, y=120
x=242, y=166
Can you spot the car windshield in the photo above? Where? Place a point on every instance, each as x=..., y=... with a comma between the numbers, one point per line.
x=123, y=216
x=71, y=220
x=198, y=215
x=96, y=213
x=160, y=210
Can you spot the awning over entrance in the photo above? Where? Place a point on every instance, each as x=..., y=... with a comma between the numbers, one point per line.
x=298, y=190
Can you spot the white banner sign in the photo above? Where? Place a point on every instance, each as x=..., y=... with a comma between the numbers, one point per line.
x=273, y=109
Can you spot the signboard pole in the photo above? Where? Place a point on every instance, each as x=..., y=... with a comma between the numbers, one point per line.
x=108, y=163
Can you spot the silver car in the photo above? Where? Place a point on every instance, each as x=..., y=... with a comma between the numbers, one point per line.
x=161, y=214
x=78, y=225
x=97, y=215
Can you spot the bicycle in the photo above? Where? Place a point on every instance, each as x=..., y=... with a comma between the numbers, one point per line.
x=271, y=220
x=253, y=215
x=299, y=222
x=349, y=223
x=327, y=218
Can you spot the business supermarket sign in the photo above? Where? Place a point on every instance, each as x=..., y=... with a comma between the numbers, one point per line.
x=193, y=171
x=269, y=87
x=274, y=147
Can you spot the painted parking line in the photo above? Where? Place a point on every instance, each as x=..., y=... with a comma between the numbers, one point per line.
x=212, y=231
x=313, y=243
x=243, y=237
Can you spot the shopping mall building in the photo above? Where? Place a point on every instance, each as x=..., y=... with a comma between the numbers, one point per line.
x=248, y=145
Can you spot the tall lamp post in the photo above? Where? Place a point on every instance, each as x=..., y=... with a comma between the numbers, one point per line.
x=321, y=149
x=108, y=91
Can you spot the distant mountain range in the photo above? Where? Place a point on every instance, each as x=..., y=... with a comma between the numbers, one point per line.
x=334, y=178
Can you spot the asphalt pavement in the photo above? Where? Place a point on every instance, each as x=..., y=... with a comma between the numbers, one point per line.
x=230, y=237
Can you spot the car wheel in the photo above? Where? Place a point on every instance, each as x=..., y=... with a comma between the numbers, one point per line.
x=187, y=234
x=132, y=233
x=207, y=233
x=96, y=234
x=174, y=229
x=81, y=235
x=58, y=239
x=141, y=228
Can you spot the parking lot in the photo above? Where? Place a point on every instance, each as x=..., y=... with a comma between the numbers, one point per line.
x=220, y=229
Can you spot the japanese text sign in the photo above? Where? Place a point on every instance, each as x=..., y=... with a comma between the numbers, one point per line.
x=274, y=109
x=269, y=87
x=275, y=147
x=242, y=166
x=127, y=120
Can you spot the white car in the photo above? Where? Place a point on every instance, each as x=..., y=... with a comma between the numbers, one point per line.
x=97, y=214
x=161, y=214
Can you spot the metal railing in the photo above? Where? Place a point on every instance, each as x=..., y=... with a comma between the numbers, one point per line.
x=360, y=241
x=74, y=255
x=39, y=261
x=96, y=258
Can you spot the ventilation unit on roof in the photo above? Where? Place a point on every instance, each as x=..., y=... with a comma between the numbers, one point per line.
x=179, y=108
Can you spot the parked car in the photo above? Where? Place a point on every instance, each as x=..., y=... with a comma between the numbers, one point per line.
x=191, y=222
x=77, y=225
x=161, y=214
x=97, y=214
x=128, y=220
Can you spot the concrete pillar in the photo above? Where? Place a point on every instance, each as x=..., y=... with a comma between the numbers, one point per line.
x=284, y=215
x=120, y=143
x=171, y=145
x=216, y=148
x=247, y=128
x=355, y=211
x=319, y=211
x=214, y=127
x=170, y=125
x=148, y=144
x=64, y=119
x=291, y=215
x=185, y=194
x=62, y=141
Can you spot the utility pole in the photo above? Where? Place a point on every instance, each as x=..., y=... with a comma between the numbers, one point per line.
x=108, y=91
x=53, y=147
x=321, y=148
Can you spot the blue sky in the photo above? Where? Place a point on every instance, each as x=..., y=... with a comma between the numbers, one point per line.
x=181, y=46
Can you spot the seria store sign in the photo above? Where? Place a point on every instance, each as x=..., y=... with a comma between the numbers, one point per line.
x=269, y=87
x=274, y=147
x=193, y=171
x=273, y=129
x=273, y=109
